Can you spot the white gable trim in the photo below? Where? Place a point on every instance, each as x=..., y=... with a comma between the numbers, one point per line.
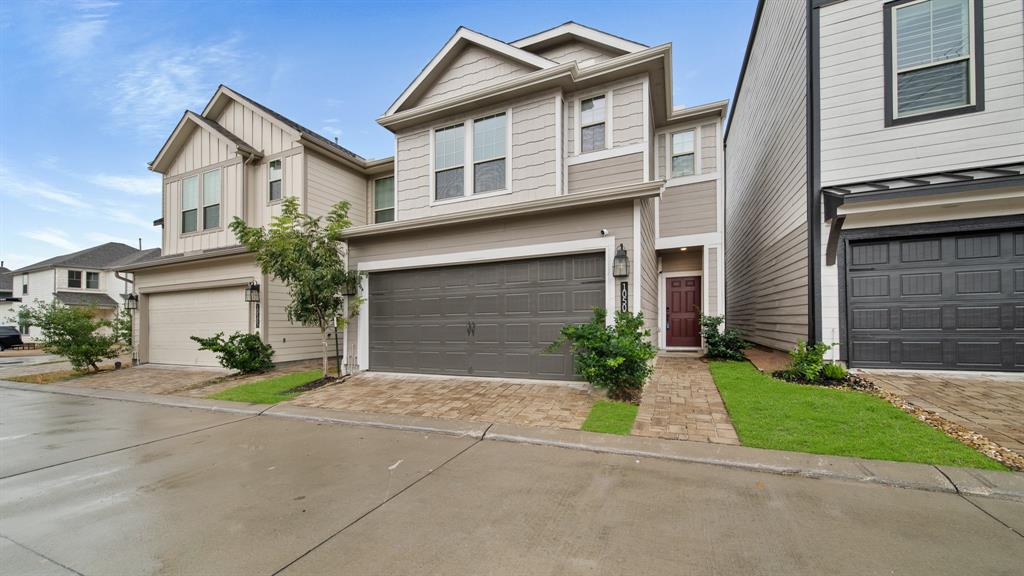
x=189, y=117
x=574, y=29
x=461, y=37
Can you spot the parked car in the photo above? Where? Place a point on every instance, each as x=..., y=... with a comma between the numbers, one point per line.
x=9, y=337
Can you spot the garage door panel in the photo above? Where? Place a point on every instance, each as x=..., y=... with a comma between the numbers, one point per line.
x=495, y=319
x=173, y=317
x=951, y=302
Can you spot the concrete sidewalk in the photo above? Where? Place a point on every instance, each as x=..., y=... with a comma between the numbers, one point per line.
x=966, y=481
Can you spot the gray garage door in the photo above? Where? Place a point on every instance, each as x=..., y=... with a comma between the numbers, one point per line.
x=491, y=319
x=940, y=302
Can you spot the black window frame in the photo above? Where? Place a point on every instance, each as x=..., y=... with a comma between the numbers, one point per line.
x=978, y=42
x=78, y=280
x=89, y=275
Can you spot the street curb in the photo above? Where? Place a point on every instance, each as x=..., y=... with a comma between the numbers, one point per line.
x=925, y=477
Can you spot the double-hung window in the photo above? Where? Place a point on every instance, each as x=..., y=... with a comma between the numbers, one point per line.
x=24, y=284
x=384, y=200
x=211, y=200
x=274, y=180
x=489, y=154
x=682, y=154
x=189, y=204
x=74, y=278
x=592, y=124
x=449, y=162
x=92, y=280
x=933, y=59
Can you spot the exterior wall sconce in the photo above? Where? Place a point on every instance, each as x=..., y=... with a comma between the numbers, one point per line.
x=351, y=287
x=131, y=302
x=620, y=265
x=252, y=292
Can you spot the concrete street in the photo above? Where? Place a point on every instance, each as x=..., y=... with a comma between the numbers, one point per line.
x=106, y=487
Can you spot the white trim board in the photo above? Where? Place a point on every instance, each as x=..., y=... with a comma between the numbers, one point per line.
x=708, y=238
x=580, y=31
x=606, y=244
x=604, y=154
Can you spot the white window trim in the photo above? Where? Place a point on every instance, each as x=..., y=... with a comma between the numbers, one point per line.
x=970, y=58
x=605, y=154
x=606, y=244
x=609, y=142
x=203, y=206
x=373, y=199
x=284, y=193
x=698, y=165
x=85, y=280
x=468, y=162
x=200, y=177
x=81, y=279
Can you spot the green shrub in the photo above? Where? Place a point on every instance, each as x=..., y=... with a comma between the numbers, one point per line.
x=834, y=372
x=616, y=358
x=806, y=362
x=73, y=332
x=725, y=344
x=240, y=351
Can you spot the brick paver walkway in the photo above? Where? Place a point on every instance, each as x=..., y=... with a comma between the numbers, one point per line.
x=992, y=406
x=458, y=398
x=149, y=378
x=681, y=402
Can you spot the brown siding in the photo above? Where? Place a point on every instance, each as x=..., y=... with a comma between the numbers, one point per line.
x=689, y=209
x=606, y=173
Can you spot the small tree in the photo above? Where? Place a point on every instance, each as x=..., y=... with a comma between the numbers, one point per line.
x=122, y=327
x=307, y=255
x=73, y=332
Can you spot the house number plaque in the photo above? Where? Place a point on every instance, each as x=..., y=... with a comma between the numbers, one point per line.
x=624, y=296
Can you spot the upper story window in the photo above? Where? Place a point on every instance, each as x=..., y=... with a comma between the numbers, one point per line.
x=384, y=200
x=682, y=154
x=74, y=278
x=189, y=204
x=92, y=280
x=24, y=284
x=274, y=180
x=933, y=59
x=592, y=124
x=449, y=162
x=489, y=154
x=211, y=200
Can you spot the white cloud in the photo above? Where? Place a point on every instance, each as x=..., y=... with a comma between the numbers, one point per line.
x=53, y=237
x=160, y=82
x=127, y=217
x=32, y=190
x=95, y=238
x=75, y=38
x=135, y=185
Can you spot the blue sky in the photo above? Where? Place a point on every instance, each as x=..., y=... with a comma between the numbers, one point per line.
x=89, y=90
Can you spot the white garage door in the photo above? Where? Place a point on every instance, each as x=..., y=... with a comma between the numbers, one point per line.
x=175, y=316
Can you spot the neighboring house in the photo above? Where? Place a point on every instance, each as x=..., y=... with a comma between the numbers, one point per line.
x=7, y=299
x=84, y=278
x=875, y=173
x=520, y=169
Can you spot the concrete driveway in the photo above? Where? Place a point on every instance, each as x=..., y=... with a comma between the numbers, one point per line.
x=131, y=488
x=990, y=404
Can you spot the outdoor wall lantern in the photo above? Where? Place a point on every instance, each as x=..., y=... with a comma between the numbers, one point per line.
x=131, y=302
x=620, y=265
x=351, y=287
x=252, y=292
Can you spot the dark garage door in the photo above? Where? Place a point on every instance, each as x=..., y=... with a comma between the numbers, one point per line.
x=940, y=302
x=492, y=319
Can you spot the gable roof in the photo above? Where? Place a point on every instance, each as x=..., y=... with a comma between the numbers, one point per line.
x=6, y=279
x=574, y=30
x=461, y=38
x=189, y=121
x=98, y=257
x=139, y=257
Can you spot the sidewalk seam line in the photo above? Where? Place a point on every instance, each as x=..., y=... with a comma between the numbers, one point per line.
x=37, y=553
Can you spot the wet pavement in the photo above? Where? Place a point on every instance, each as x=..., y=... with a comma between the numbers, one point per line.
x=128, y=488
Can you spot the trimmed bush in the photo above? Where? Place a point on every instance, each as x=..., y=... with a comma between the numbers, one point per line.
x=240, y=351
x=806, y=362
x=834, y=372
x=725, y=344
x=616, y=358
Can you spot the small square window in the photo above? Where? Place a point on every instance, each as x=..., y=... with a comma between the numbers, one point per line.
x=92, y=280
x=74, y=278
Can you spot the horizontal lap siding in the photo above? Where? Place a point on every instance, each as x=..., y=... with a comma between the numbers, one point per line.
x=327, y=184
x=766, y=236
x=649, y=270
x=607, y=173
x=573, y=51
x=709, y=148
x=533, y=149
x=290, y=341
x=711, y=282
x=689, y=209
x=473, y=69
x=676, y=261
x=628, y=114
x=856, y=144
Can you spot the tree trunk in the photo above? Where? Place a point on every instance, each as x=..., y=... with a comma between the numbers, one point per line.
x=323, y=344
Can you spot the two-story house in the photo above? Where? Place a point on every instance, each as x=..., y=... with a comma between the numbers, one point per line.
x=85, y=278
x=521, y=170
x=875, y=182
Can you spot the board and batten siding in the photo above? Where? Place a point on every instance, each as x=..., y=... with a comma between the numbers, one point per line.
x=203, y=148
x=532, y=160
x=231, y=201
x=607, y=173
x=855, y=143
x=689, y=209
x=766, y=175
x=257, y=129
x=582, y=53
x=474, y=68
x=328, y=183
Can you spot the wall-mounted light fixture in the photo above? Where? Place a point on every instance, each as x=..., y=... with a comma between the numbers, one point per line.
x=620, y=265
x=131, y=302
x=252, y=292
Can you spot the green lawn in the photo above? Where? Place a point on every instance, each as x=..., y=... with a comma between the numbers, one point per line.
x=771, y=413
x=611, y=418
x=269, y=391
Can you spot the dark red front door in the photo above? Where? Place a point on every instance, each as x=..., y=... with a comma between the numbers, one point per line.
x=682, y=298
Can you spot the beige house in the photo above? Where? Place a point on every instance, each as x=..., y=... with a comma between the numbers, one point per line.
x=876, y=182
x=520, y=170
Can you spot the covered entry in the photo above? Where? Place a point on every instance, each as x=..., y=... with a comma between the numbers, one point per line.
x=490, y=319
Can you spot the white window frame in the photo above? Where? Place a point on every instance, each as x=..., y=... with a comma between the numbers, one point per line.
x=24, y=284
x=198, y=208
x=394, y=199
x=665, y=158
x=972, y=88
x=203, y=205
x=696, y=152
x=284, y=194
x=609, y=142
x=468, y=162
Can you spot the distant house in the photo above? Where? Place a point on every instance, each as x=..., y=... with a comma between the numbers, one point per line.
x=6, y=282
x=83, y=278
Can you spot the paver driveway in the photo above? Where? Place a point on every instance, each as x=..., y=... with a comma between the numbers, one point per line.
x=991, y=405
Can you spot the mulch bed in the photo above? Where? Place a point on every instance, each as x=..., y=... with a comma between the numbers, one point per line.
x=317, y=384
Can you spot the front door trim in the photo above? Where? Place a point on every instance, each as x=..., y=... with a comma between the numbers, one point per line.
x=662, y=277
